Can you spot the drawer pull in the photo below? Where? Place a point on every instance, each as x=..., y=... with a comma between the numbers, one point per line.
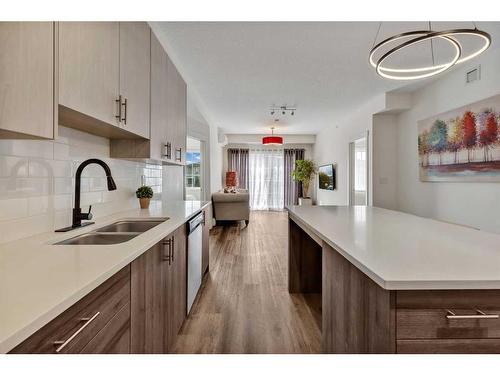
x=168, y=258
x=480, y=315
x=62, y=344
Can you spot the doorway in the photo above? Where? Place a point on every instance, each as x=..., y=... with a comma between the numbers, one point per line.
x=358, y=172
x=194, y=169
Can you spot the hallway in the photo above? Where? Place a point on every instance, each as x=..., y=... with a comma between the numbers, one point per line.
x=244, y=306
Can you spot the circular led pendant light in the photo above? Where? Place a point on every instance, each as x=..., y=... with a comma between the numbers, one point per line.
x=272, y=140
x=420, y=36
x=458, y=51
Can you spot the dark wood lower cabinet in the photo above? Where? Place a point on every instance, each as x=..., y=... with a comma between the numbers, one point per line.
x=114, y=338
x=140, y=309
x=359, y=316
x=158, y=295
x=148, y=295
x=176, y=305
x=99, y=316
x=460, y=346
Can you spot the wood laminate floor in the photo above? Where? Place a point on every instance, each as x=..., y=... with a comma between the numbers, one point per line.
x=244, y=305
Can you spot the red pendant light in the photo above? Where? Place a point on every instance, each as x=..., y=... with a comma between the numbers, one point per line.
x=272, y=140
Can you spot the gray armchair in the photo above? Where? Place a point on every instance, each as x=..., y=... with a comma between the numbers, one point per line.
x=231, y=206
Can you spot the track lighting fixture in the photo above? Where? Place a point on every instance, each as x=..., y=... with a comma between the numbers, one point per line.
x=284, y=109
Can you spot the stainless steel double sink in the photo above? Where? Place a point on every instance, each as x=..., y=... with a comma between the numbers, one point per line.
x=118, y=232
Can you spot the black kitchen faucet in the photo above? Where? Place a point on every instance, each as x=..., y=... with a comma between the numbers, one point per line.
x=77, y=211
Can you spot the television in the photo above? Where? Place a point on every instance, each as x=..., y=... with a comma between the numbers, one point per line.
x=326, y=175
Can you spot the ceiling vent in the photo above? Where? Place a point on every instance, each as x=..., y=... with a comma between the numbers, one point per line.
x=473, y=74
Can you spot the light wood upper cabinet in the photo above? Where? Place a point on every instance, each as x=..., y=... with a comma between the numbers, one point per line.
x=176, y=112
x=135, y=77
x=159, y=91
x=104, y=78
x=27, y=80
x=89, y=69
x=167, y=141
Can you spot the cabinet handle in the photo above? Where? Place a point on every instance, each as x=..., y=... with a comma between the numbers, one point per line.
x=173, y=249
x=124, y=104
x=168, y=150
x=119, y=102
x=168, y=258
x=178, y=150
x=62, y=344
x=480, y=315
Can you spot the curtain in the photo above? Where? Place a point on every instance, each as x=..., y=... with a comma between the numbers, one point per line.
x=266, y=179
x=293, y=189
x=237, y=160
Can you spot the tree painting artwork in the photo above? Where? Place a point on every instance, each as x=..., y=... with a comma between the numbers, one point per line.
x=462, y=145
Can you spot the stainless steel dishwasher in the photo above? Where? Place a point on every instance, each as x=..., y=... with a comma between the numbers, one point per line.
x=194, y=253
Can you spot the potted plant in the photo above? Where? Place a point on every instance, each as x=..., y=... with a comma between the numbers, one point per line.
x=304, y=172
x=144, y=193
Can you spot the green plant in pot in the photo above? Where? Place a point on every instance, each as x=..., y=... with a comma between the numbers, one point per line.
x=144, y=193
x=304, y=172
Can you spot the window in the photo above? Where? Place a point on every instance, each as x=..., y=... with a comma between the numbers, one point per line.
x=193, y=170
x=266, y=179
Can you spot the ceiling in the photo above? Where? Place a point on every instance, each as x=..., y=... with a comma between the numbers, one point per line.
x=238, y=70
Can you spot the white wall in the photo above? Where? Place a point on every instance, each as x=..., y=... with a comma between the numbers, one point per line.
x=384, y=161
x=216, y=156
x=332, y=146
x=474, y=204
x=199, y=129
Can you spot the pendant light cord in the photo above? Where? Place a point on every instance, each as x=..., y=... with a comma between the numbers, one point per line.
x=376, y=35
x=432, y=45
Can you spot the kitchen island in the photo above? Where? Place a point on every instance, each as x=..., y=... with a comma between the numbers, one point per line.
x=396, y=283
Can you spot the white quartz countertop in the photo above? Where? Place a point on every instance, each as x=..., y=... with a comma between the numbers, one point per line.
x=402, y=251
x=39, y=280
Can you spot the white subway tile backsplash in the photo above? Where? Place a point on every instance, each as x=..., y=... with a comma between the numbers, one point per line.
x=90, y=198
x=61, y=151
x=97, y=183
x=11, y=166
x=40, y=205
x=49, y=168
x=63, y=202
x=11, y=188
x=37, y=182
x=63, y=185
x=38, y=149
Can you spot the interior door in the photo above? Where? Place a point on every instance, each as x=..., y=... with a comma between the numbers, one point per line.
x=358, y=172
